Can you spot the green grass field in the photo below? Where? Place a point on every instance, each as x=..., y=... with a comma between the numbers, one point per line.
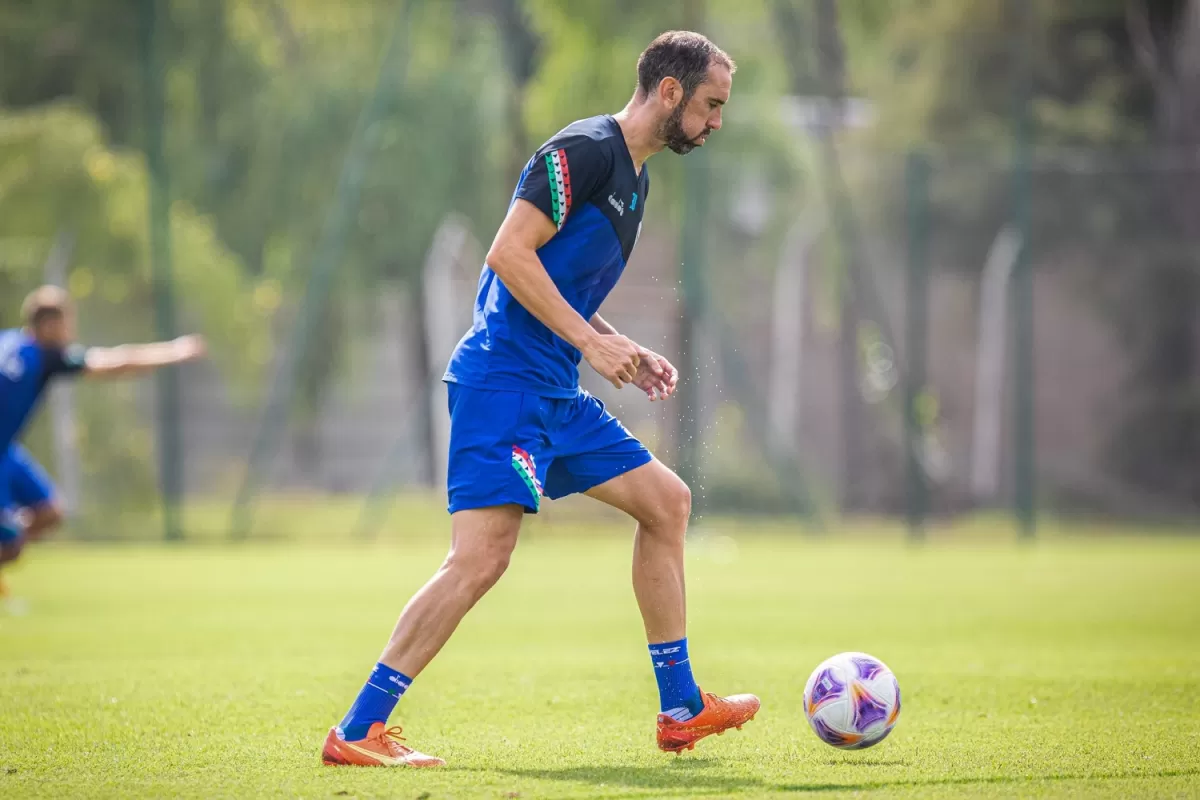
x=1066, y=668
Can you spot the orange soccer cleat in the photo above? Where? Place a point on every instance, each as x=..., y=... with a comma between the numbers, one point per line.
x=719, y=715
x=382, y=747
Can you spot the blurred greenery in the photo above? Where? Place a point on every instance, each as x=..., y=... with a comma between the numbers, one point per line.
x=263, y=96
x=1115, y=113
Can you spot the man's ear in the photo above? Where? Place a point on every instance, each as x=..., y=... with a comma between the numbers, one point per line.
x=670, y=92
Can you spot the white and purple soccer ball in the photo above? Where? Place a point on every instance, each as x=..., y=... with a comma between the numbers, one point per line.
x=852, y=701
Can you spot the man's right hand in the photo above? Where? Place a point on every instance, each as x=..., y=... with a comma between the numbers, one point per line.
x=615, y=357
x=189, y=348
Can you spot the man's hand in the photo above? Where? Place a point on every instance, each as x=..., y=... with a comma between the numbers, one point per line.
x=655, y=376
x=190, y=348
x=615, y=357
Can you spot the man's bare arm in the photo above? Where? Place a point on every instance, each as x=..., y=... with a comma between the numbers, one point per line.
x=138, y=359
x=513, y=257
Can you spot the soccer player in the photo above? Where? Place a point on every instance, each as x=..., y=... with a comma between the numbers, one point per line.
x=33, y=505
x=521, y=428
x=30, y=358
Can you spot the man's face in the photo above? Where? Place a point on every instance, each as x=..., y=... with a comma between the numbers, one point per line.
x=57, y=331
x=693, y=119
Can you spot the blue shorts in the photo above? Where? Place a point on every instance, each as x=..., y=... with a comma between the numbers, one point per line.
x=23, y=484
x=512, y=447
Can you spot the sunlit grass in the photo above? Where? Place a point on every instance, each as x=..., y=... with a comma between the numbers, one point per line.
x=1065, y=667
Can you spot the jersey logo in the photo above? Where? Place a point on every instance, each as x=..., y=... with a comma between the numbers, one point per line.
x=559, y=175
x=619, y=205
x=12, y=366
x=633, y=202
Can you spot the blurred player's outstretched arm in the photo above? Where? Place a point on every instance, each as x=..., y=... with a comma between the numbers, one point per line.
x=513, y=257
x=130, y=360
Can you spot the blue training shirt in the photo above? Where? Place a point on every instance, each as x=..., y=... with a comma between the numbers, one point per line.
x=584, y=180
x=25, y=370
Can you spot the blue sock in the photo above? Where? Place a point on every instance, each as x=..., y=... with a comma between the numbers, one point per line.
x=678, y=695
x=375, y=702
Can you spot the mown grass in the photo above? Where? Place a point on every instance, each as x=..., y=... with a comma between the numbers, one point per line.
x=1066, y=668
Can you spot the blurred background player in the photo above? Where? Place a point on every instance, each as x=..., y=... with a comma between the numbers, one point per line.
x=34, y=509
x=30, y=357
x=521, y=426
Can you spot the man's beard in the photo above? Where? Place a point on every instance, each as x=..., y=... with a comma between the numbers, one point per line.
x=672, y=134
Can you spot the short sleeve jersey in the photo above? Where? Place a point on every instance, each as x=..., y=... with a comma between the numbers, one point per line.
x=584, y=181
x=25, y=370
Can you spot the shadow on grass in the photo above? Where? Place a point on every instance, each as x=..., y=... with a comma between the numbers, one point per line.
x=693, y=776
x=689, y=775
x=996, y=779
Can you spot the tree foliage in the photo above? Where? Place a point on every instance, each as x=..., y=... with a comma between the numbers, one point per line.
x=263, y=97
x=1112, y=98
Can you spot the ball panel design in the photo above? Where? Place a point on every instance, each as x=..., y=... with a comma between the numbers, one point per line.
x=868, y=711
x=833, y=736
x=824, y=687
x=872, y=740
x=867, y=667
x=895, y=715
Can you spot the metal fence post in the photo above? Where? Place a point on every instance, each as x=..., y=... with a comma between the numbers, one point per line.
x=170, y=444
x=917, y=320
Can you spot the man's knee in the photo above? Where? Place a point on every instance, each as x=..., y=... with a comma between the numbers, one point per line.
x=679, y=501
x=672, y=507
x=44, y=519
x=483, y=545
x=10, y=550
x=479, y=567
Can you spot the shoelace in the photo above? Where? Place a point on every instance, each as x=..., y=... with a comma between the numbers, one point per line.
x=392, y=738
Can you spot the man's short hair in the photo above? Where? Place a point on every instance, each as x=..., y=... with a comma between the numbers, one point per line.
x=44, y=304
x=682, y=55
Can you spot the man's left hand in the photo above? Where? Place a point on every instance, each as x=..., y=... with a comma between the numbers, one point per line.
x=655, y=376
